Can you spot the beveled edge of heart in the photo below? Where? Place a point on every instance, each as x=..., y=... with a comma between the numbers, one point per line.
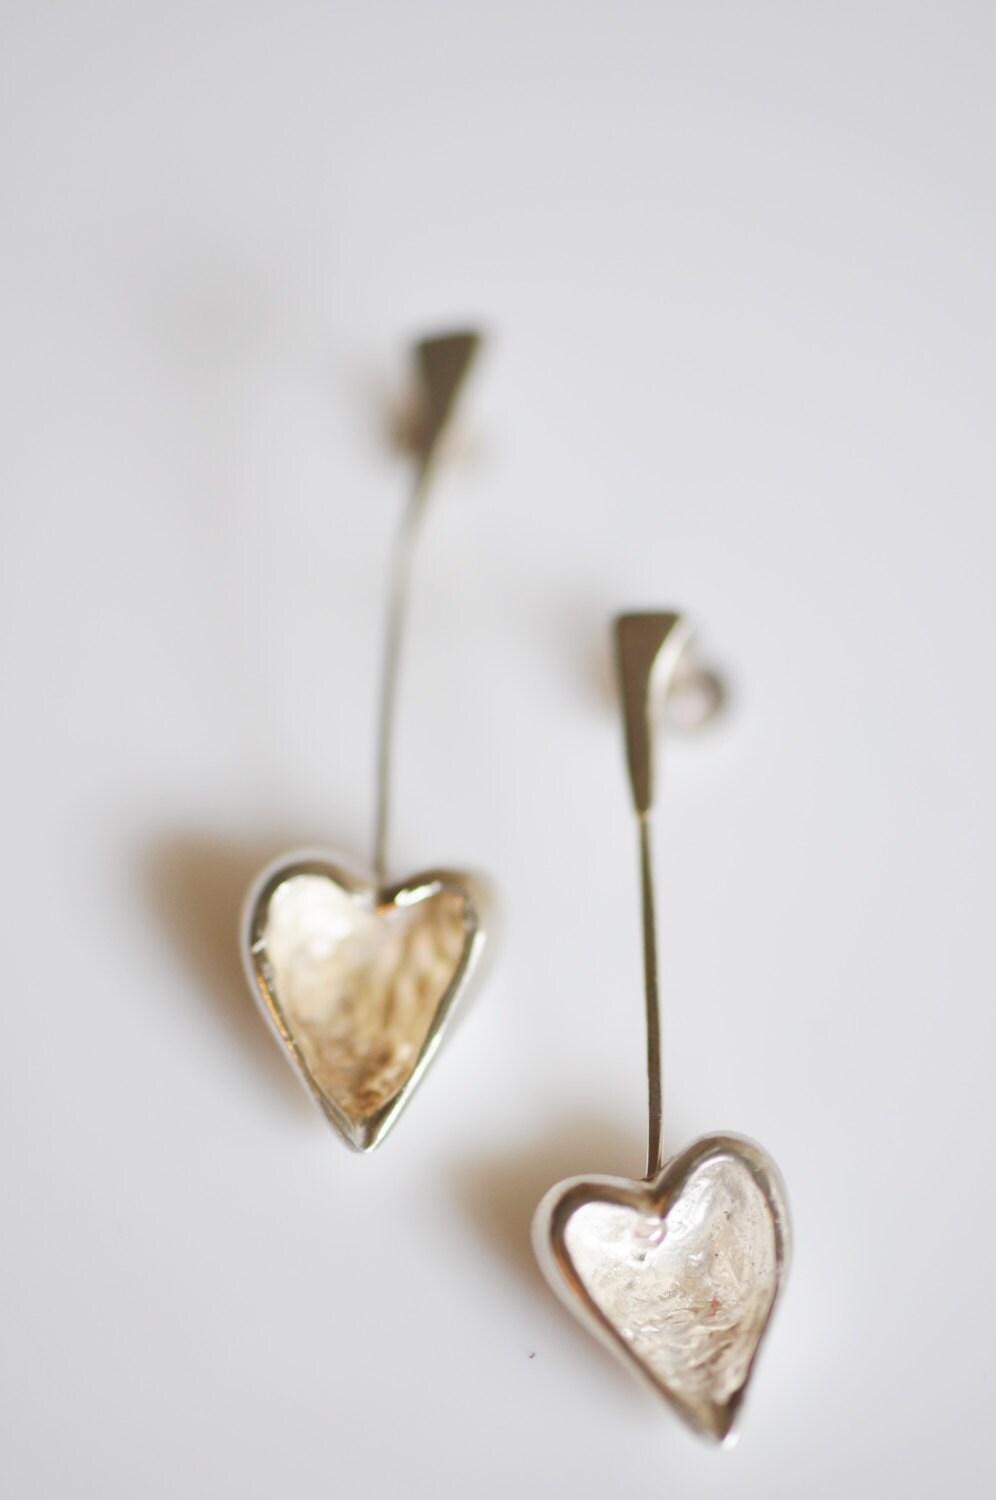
x=361, y=1135
x=549, y=1242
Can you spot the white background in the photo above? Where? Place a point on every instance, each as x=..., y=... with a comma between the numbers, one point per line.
x=737, y=262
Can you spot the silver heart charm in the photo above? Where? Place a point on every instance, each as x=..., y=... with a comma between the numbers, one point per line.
x=679, y=1275
x=360, y=983
x=359, y=978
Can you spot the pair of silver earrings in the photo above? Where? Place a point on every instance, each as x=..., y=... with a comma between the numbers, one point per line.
x=360, y=978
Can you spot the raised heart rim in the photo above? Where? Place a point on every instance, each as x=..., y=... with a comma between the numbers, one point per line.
x=362, y=1135
x=549, y=1240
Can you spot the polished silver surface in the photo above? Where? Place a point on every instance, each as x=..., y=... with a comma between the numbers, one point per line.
x=677, y=1277
x=361, y=982
x=678, y=1274
x=358, y=976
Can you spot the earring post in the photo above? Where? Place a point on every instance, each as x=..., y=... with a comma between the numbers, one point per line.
x=443, y=363
x=646, y=643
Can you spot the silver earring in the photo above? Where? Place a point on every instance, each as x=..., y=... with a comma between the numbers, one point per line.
x=360, y=976
x=677, y=1274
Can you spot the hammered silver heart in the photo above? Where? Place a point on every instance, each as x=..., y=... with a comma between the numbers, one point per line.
x=678, y=1276
x=360, y=983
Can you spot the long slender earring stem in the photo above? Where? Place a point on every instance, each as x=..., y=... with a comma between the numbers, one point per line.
x=640, y=641
x=401, y=569
x=443, y=364
x=655, y=1080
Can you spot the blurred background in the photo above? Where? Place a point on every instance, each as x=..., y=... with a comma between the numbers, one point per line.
x=735, y=262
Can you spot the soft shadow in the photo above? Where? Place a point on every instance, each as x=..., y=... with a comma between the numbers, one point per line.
x=194, y=885
x=578, y=628
x=499, y=1195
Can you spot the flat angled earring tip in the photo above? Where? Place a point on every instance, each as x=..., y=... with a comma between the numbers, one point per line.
x=443, y=362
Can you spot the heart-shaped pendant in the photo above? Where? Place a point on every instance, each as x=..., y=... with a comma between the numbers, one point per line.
x=360, y=978
x=360, y=983
x=678, y=1276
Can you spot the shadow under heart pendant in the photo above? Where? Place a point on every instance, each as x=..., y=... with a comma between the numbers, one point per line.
x=359, y=977
x=677, y=1274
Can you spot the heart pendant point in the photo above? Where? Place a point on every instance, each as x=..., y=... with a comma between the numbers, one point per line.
x=358, y=982
x=679, y=1275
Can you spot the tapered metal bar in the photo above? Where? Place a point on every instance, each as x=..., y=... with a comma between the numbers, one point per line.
x=443, y=364
x=645, y=643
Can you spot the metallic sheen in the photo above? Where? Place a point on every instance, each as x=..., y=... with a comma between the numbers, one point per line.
x=677, y=1277
x=678, y=1274
x=360, y=978
x=360, y=983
